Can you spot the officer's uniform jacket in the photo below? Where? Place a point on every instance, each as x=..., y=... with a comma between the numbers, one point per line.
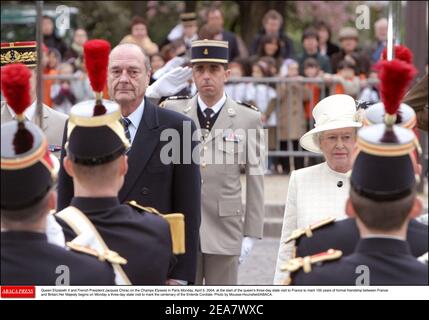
x=142, y=238
x=224, y=221
x=28, y=259
x=376, y=261
x=344, y=235
x=53, y=125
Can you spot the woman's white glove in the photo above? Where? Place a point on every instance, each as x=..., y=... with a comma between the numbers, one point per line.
x=170, y=83
x=170, y=65
x=246, y=247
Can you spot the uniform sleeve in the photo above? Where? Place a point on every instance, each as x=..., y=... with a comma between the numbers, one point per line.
x=289, y=224
x=254, y=218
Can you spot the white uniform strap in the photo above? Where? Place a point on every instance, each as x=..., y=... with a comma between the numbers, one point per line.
x=84, y=229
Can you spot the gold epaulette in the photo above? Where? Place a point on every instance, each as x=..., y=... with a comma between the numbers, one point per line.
x=248, y=105
x=140, y=208
x=176, y=221
x=298, y=233
x=305, y=263
x=109, y=255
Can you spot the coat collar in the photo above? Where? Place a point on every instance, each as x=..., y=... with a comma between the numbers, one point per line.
x=383, y=245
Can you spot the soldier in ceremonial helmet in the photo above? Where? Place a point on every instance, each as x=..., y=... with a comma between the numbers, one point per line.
x=28, y=175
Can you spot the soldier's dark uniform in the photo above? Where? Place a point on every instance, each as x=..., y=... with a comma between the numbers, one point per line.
x=344, y=235
x=27, y=175
x=28, y=259
x=389, y=262
x=142, y=238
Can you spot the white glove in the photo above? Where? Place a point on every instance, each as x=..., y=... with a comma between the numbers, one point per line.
x=170, y=65
x=246, y=247
x=423, y=258
x=54, y=232
x=170, y=83
x=175, y=33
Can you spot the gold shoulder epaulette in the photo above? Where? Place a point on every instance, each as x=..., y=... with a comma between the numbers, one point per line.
x=305, y=263
x=176, y=221
x=109, y=255
x=140, y=208
x=298, y=233
x=248, y=105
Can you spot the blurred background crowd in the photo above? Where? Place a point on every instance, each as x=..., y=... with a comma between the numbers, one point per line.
x=284, y=56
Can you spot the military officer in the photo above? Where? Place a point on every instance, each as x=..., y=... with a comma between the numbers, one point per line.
x=53, y=121
x=231, y=135
x=344, y=234
x=96, y=159
x=28, y=174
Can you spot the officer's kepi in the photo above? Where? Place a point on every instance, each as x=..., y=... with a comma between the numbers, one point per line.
x=209, y=51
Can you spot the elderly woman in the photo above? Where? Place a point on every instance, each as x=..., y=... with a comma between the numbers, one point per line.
x=320, y=191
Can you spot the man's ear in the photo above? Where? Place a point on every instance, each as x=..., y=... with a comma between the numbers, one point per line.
x=227, y=74
x=52, y=201
x=123, y=166
x=68, y=166
x=416, y=209
x=350, y=210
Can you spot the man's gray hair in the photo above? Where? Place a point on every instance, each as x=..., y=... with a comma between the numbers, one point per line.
x=146, y=57
x=316, y=138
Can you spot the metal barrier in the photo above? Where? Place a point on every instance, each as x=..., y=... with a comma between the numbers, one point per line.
x=324, y=88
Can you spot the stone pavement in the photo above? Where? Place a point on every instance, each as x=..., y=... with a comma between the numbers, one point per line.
x=260, y=265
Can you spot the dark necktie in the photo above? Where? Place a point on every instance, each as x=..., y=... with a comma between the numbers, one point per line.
x=126, y=123
x=208, y=113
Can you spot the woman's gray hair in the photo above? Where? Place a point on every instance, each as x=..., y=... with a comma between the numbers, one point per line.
x=316, y=138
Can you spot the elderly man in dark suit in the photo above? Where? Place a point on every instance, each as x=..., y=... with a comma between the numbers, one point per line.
x=171, y=187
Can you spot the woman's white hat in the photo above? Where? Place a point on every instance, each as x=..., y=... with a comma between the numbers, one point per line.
x=334, y=112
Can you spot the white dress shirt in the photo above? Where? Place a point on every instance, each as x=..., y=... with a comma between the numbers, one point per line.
x=135, y=119
x=313, y=195
x=216, y=107
x=28, y=113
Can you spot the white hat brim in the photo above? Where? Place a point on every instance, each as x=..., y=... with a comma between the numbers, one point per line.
x=307, y=141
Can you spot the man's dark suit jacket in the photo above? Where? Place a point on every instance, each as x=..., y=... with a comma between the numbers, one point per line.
x=169, y=188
